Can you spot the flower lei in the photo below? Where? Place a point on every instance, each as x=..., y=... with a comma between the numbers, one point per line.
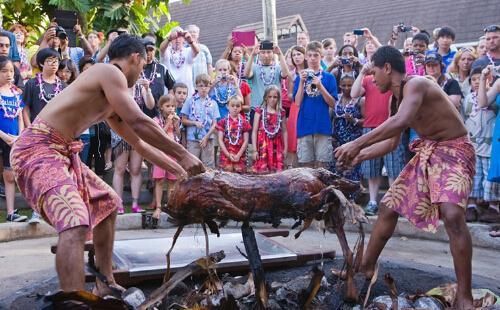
x=239, y=129
x=262, y=74
x=343, y=107
x=309, y=89
x=152, y=75
x=43, y=95
x=177, y=61
x=10, y=112
x=270, y=134
x=137, y=94
x=197, y=114
x=223, y=97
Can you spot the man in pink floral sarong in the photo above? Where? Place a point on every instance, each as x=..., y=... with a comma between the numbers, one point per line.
x=66, y=192
x=436, y=182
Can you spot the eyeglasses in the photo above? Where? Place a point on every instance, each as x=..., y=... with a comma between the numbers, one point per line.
x=51, y=61
x=492, y=28
x=7, y=45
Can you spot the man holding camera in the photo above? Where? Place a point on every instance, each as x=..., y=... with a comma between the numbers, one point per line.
x=315, y=92
x=179, y=58
x=492, y=57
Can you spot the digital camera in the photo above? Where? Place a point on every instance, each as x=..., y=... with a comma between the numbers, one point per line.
x=61, y=33
x=345, y=61
x=403, y=28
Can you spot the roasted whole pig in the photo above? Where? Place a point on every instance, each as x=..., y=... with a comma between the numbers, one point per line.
x=304, y=194
x=301, y=193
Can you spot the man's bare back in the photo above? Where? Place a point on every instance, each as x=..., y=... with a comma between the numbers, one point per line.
x=83, y=103
x=437, y=118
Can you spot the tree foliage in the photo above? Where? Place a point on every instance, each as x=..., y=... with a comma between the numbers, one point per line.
x=138, y=15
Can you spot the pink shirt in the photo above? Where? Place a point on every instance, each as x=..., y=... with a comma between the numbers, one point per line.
x=377, y=105
x=412, y=69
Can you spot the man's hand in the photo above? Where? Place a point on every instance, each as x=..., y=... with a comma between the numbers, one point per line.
x=204, y=141
x=191, y=164
x=188, y=38
x=367, y=33
x=144, y=83
x=10, y=139
x=346, y=153
x=256, y=50
x=77, y=30
x=487, y=71
x=198, y=124
x=49, y=34
x=303, y=75
x=316, y=81
x=367, y=68
x=277, y=49
x=112, y=36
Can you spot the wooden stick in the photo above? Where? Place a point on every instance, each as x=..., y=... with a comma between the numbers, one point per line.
x=193, y=268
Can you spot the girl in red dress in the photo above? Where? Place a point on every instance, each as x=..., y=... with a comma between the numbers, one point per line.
x=170, y=122
x=270, y=134
x=233, y=132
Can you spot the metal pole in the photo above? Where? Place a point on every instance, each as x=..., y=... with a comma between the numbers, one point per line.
x=269, y=18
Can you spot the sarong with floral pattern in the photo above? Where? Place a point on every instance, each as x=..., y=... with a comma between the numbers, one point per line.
x=56, y=183
x=440, y=172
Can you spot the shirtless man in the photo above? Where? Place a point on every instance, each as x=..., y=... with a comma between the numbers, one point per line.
x=67, y=193
x=435, y=184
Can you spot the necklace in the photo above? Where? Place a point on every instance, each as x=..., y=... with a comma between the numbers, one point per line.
x=343, y=107
x=177, y=57
x=152, y=75
x=43, y=95
x=239, y=129
x=222, y=94
x=10, y=111
x=308, y=86
x=262, y=74
x=270, y=134
x=197, y=114
x=137, y=94
x=490, y=59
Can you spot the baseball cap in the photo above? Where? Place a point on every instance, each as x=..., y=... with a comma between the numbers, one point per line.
x=148, y=43
x=433, y=57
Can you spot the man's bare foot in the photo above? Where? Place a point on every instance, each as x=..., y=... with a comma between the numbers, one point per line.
x=103, y=290
x=462, y=303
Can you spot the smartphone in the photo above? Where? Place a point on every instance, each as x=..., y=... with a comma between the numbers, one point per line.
x=266, y=45
x=358, y=32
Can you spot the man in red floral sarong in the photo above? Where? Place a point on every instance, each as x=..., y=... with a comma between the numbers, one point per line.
x=66, y=192
x=436, y=183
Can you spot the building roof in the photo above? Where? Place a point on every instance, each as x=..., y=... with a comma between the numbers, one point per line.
x=332, y=18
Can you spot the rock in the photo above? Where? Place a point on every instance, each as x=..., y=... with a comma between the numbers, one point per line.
x=386, y=300
x=428, y=303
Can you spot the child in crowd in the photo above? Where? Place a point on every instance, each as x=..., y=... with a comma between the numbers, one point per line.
x=233, y=133
x=11, y=124
x=40, y=90
x=180, y=92
x=347, y=123
x=330, y=48
x=224, y=87
x=170, y=122
x=199, y=115
x=414, y=58
x=269, y=133
x=480, y=123
x=67, y=71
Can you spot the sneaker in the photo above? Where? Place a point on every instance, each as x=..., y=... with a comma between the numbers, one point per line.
x=471, y=214
x=371, y=208
x=120, y=210
x=35, y=218
x=14, y=217
x=137, y=209
x=2, y=191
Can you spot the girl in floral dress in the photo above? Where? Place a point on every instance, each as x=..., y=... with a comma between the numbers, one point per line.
x=233, y=134
x=347, y=123
x=170, y=122
x=270, y=134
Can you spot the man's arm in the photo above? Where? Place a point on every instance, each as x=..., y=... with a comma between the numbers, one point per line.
x=249, y=63
x=149, y=152
x=115, y=89
x=484, y=96
x=324, y=92
x=87, y=50
x=283, y=66
x=414, y=92
x=298, y=88
x=357, y=89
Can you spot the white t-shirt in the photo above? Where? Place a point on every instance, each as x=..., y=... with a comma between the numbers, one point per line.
x=180, y=65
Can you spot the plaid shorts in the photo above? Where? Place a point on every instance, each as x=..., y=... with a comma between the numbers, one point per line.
x=394, y=162
x=482, y=188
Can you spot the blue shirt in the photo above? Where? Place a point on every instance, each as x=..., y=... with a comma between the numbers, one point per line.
x=12, y=104
x=13, y=52
x=314, y=115
x=447, y=59
x=197, y=109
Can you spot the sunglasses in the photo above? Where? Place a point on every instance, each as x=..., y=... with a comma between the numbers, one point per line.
x=466, y=49
x=492, y=28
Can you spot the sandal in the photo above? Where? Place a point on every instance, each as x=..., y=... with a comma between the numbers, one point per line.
x=495, y=232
